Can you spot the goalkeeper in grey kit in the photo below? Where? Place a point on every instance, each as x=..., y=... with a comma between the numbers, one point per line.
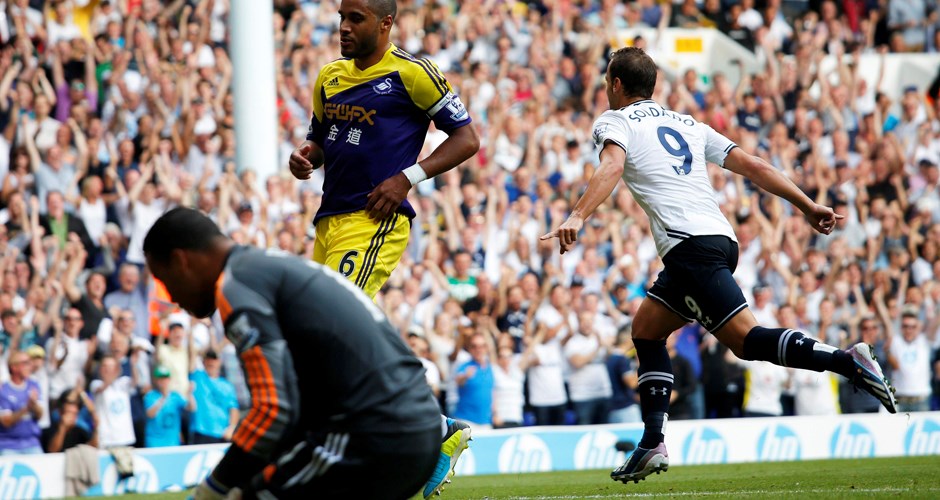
x=336, y=394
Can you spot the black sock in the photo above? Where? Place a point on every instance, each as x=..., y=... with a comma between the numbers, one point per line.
x=655, y=387
x=787, y=347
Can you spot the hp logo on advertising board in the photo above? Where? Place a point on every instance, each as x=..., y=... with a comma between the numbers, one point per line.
x=18, y=481
x=595, y=450
x=923, y=437
x=852, y=440
x=704, y=445
x=524, y=453
x=778, y=443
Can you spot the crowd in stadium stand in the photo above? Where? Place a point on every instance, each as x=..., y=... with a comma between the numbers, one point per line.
x=113, y=111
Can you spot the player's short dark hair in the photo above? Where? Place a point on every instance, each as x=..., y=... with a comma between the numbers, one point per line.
x=180, y=228
x=636, y=70
x=382, y=8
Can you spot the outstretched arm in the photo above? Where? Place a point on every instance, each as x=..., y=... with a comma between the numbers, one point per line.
x=820, y=217
x=599, y=188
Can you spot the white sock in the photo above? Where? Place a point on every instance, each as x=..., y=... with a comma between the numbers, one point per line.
x=443, y=426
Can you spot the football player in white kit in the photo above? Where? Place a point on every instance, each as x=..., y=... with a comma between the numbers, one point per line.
x=661, y=156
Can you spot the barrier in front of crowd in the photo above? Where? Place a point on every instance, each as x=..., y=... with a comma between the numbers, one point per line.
x=708, y=51
x=535, y=449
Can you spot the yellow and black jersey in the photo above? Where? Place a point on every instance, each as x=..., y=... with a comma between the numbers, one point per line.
x=371, y=123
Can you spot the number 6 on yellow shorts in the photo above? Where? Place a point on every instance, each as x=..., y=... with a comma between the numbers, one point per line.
x=364, y=250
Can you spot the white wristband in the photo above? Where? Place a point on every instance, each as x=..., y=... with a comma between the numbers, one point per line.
x=415, y=174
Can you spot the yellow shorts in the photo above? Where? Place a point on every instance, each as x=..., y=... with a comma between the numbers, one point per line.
x=363, y=250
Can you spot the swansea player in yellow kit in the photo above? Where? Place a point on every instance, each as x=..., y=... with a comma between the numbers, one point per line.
x=371, y=112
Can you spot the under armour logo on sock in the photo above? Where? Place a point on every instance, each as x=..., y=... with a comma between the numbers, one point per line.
x=799, y=341
x=655, y=392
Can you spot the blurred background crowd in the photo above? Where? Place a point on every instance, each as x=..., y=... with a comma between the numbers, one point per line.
x=113, y=111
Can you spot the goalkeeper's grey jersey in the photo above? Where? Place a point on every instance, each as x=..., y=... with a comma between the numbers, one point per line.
x=318, y=355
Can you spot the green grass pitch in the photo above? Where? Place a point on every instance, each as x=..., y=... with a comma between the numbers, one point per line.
x=903, y=477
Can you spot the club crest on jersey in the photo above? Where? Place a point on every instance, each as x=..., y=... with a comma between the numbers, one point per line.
x=599, y=133
x=384, y=87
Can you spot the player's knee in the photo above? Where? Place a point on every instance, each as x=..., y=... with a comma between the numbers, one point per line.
x=733, y=338
x=737, y=348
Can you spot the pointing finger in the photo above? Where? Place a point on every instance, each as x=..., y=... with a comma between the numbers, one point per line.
x=570, y=237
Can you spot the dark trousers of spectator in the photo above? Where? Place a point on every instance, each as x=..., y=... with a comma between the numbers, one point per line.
x=549, y=415
x=204, y=439
x=722, y=404
x=788, y=401
x=508, y=425
x=140, y=432
x=592, y=411
x=852, y=400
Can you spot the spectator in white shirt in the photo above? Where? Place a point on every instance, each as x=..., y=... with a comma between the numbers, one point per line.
x=60, y=25
x=546, y=376
x=113, y=400
x=588, y=381
x=146, y=204
x=69, y=356
x=508, y=379
x=815, y=393
x=764, y=383
x=909, y=355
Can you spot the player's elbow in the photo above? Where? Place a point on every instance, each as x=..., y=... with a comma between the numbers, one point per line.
x=471, y=141
x=761, y=172
x=467, y=140
x=750, y=166
x=617, y=170
x=611, y=168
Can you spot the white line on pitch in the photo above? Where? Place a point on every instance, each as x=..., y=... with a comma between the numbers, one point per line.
x=730, y=493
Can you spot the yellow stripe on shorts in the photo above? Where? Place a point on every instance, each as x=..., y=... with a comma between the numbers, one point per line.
x=368, y=262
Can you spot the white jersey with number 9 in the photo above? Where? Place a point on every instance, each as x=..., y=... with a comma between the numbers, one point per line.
x=665, y=169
